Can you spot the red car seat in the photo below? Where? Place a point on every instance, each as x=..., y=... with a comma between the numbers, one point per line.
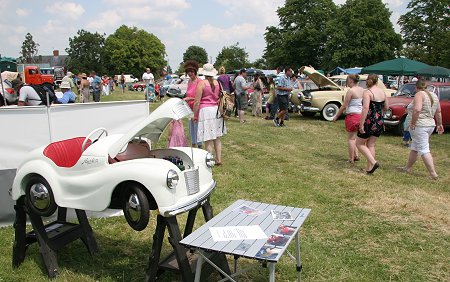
x=65, y=153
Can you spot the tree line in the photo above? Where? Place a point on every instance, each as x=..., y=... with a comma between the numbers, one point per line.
x=311, y=32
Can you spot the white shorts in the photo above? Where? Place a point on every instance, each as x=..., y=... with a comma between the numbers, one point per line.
x=421, y=139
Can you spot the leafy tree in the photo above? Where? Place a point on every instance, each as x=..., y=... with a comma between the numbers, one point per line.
x=260, y=63
x=232, y=57
x=85, y=52
x=426, y=31
x=131, y=50
x=360, y=34
x=196, y=53
x=300, y=37
x=29, y=49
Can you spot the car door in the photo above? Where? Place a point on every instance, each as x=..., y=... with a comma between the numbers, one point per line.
x=444, y=99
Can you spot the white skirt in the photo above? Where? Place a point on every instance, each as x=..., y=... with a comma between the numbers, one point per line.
x=209, y=126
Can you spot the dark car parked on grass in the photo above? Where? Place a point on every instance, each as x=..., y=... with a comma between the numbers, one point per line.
x=396, y=114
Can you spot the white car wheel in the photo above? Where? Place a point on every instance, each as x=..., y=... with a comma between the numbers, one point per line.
x=136, y=208
x=329, y=111
x=39, y=197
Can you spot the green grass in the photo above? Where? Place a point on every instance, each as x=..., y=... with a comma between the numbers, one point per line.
x=389, y=226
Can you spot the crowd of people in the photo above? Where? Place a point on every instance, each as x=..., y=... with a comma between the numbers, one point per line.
x=364, y=108
x=364, y=122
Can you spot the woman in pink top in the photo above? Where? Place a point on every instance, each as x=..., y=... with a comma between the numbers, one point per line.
x=210, y=126
x=191, y=68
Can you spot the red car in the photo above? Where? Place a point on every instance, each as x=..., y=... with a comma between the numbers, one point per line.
x=396, y=114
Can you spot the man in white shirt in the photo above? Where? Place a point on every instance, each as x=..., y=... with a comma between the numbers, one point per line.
x=148, y=79
x=27, y=95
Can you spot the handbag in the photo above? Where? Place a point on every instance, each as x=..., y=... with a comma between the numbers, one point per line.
x=226, y=103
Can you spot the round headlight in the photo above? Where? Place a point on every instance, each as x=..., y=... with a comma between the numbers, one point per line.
x=388, y=114
x=172, y=179
x=210, y=162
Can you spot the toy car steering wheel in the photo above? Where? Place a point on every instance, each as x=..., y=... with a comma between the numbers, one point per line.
x=101, y=130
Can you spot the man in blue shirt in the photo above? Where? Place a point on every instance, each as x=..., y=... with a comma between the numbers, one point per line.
x=95, y=84
x=284, y=88
x=68, y=95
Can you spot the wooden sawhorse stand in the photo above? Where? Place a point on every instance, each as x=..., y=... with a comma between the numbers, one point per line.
x=50, y=237
x=182, y=265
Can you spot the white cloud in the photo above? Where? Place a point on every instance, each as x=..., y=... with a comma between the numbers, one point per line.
x=105, y=20
x=19, y=29
x=15, y=40
x=156, y=4
x=66, y=9
x=22, y=12
x=394, y=19
x=394, y=3
x=210, y=33
x=262, y=12
x=54, y=27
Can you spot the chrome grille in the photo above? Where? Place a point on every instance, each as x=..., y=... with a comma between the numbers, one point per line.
x=192, y=181
x=182, y=109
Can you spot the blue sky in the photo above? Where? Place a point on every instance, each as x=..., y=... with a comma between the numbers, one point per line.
x=179, y=24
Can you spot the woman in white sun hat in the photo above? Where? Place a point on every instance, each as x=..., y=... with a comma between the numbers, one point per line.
x=211, y=125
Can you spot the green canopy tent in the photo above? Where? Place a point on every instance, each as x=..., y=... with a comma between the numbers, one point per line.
x=434, y=71
x=399, y=66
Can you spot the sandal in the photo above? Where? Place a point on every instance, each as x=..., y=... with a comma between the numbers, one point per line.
x=218, y=163
x=403, y=169
x=356, y=159
x=375, y=167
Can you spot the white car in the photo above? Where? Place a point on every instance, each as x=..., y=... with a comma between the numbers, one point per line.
x=118, y=171
x=8, y=93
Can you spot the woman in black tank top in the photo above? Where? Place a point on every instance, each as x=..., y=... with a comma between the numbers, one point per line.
x=372, y=123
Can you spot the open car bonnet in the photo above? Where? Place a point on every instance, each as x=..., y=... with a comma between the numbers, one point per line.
x=153, y=126
x=319, y=79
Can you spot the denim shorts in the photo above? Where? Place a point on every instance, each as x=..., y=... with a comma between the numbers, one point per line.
x=193, y=128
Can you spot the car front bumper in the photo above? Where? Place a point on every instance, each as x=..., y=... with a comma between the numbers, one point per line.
x=391, y=122
x=196, y=201
x=304, y=108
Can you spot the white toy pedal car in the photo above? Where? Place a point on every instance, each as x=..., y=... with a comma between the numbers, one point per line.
x=118, y=171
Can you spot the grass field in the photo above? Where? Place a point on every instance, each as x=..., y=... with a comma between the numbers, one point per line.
x=388, y=226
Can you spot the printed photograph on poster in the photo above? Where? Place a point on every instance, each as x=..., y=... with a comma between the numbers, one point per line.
x=268, y=252
x=281, y=215
x=249, y=210
x=285, y=230
x=278, y=240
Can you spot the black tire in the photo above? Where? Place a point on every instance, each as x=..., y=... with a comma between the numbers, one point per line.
x=136, y=208
x=308, y=114
x=139, y=89
x=399, y=127
x=329, y=111
x=39, y=196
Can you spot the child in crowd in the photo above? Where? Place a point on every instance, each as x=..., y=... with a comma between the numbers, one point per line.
x=177, y=138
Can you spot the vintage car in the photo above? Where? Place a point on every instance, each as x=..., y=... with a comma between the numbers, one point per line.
x=329, y=96
x=119, y=171
x=296, y=94
x=178, y=90
x=395, y=116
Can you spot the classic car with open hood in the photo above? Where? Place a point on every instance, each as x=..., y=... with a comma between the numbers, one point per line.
x=329, y=95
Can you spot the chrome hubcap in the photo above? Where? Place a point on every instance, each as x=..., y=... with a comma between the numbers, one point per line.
x=40, y=198
x=134, y=207
x=331, y=111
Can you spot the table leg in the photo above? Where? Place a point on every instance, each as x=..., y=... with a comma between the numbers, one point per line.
x=198, y=270
x=297, y=256
x=271, y=266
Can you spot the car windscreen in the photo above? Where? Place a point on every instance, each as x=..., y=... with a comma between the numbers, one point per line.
x=406, y=90
x=444, y=93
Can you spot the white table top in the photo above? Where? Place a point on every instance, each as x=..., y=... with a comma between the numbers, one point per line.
x=270, y=249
